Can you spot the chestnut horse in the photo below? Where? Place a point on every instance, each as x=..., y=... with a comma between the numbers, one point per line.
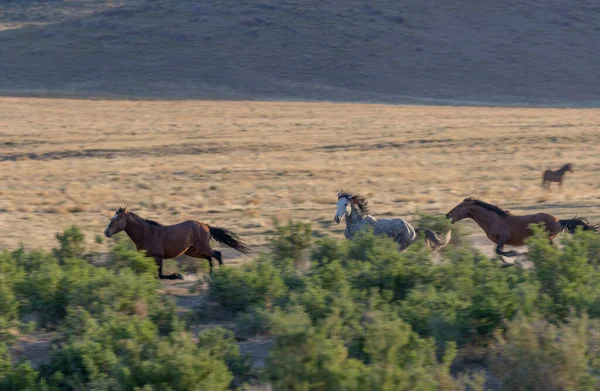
x=504, y=228
x=555, y=176
x=165, y=242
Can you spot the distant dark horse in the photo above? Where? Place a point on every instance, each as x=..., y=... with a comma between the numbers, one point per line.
x=165, y=242
x=504, y=228
x=555, y=176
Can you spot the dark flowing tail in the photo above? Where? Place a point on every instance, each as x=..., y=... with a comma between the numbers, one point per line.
x=434, y=241
x=229, y=239
x=571, y=225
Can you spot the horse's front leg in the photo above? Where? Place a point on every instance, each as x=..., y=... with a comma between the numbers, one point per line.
x=501, y=252
x=174, y=276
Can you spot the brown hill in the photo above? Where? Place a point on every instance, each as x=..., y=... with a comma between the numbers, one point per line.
x=538, y=52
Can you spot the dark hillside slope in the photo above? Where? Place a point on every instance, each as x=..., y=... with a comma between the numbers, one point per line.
x=542, y=52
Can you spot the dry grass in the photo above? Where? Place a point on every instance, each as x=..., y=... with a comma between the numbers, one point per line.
x=239, y=164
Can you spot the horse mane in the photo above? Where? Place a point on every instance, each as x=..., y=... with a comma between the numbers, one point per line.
x=360, y=201
x=496, y=209
x=151, y=222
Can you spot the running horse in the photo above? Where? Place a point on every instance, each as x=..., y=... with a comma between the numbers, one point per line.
x=555, y=176
x=354, y=209
x=165, y=242
x=504, y=228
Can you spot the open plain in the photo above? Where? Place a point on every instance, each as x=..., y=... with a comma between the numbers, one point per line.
x=240, y=164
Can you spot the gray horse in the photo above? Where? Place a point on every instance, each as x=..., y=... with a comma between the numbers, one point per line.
x=354, y=208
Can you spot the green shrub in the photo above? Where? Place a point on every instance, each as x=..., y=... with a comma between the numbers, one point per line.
x=127, y=352
x=258, y=284
x=221, y=344
x=72, y=244
x=306, y=358
x=252, y=322
x=537, y=355
x=291, y=241
x=567, y=276
x=20, y=377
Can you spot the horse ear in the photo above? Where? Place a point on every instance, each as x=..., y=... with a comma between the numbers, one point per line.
x=125, y=209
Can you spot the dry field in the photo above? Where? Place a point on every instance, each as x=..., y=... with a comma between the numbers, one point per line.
x=240, y=164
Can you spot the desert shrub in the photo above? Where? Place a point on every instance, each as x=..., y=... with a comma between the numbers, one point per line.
x=291, y=241
x=569, y=277
x=258, y=284
x=49, y=288
x=9, y=306
x=127, y=352
x=308, y=356
x=328, y=249
x=221, y=344
x=318, y=361
x=534, y=354
x=375, y=262
x=71, y=244
x=254, y=321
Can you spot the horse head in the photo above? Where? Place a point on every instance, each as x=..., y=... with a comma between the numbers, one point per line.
x=117, y=223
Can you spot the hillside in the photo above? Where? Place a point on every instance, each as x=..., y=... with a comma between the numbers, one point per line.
x=469, y=52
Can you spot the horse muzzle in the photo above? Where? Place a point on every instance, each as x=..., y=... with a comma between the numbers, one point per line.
x=450, y=218
x=107, y=234
x=337, y=219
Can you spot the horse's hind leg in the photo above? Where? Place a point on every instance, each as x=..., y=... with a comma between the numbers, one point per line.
x=192, y=252
x=218, y=256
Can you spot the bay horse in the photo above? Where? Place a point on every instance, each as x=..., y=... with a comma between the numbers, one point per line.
x=555, y=176
x=354, y=209
x=165, y=242
x=504, y=228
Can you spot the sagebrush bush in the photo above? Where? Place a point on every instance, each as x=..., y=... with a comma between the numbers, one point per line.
x=291, y=241
x=127, y=352
x=239, y=289
x=364, y=316
x=534, y=354
x=71, y=244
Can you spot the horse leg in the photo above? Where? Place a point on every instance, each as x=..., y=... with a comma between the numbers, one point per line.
x=192, y=252
x=402, y=241
x=174, y=276
x=501, y=252
x=218, y=256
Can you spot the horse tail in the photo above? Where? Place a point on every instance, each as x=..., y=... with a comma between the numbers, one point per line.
x=571, y=225
x=229, y=239
x=434, y=241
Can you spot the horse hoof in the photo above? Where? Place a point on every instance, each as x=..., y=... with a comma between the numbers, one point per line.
x=179, y=276
x=506, y=264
